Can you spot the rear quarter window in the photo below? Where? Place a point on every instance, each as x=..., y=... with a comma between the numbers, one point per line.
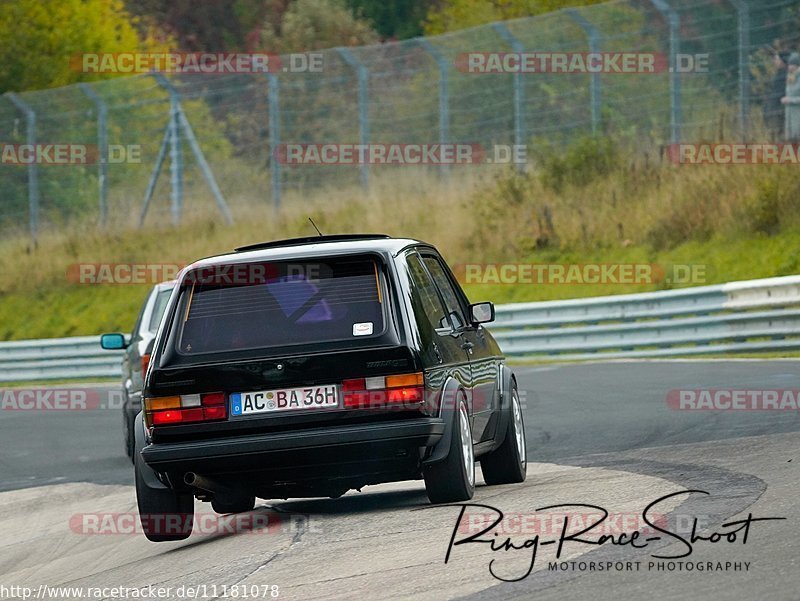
x=158, y=309
x=424, y=290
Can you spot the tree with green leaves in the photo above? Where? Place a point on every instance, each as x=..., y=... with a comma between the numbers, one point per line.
x=39, y=37
x=315, y=25
x=394, y=19
x=211, y=25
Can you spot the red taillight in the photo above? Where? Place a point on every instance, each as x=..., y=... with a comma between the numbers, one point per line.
x=171, y=416
x=398, y=391
x=215, y=412
x=412, y=394
x=145, y=363
x=191, y=415
x=357, y=384
x=186, y=408
x=212, y=398
x=353, y=400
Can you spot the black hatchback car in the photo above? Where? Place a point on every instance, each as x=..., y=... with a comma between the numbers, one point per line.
x=312, y=366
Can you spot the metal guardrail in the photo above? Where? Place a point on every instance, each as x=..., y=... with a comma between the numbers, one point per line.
x=57, y=359
x=751, y=316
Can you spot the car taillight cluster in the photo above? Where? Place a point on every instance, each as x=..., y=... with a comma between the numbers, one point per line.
x=186, y=408
x=403, y=390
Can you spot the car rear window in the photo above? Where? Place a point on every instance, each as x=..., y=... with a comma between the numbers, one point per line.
x=280, y=304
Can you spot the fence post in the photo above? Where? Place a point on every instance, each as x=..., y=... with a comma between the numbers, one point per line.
x=183, y=122
x=178, y=122
x=595, y=97
x=274, y=139
x=363, y=106
x=519, y=89
x=743, y=19
x=151, y=185
x=102, y=149
x=674, y=76
x=444, y=96
x=33, y=172
x=175, y=152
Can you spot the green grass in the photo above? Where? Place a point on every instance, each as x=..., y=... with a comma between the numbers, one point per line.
x=67, y=310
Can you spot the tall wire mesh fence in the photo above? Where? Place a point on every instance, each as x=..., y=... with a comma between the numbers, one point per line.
x=174, y=138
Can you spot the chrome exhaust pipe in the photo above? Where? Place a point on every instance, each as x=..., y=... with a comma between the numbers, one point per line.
x=206, y=484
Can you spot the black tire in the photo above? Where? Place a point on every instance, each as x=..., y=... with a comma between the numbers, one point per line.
x=452, y=479
x=165, y=515
x=507, y=464
x=240, y=505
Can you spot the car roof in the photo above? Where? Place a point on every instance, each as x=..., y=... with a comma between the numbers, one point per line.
x=298, y=248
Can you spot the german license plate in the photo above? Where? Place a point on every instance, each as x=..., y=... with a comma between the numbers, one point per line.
x=285, y=399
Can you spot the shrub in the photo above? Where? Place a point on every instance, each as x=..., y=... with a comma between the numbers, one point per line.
x=588, y=158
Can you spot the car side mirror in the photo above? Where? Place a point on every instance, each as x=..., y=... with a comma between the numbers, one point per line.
x=481, y=312
x=113, y=342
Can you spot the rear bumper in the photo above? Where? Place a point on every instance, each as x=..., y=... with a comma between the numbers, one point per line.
x=317, y=452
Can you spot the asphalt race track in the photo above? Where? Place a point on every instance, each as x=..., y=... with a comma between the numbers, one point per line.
x=600, y=434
